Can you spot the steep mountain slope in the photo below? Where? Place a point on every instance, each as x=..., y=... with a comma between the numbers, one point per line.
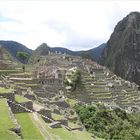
x=122, y=54
x=95, y=53
x=42, y=50
x=7, y=61
x=13, y=47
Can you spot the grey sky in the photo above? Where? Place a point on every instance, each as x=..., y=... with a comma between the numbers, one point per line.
x=76, y=25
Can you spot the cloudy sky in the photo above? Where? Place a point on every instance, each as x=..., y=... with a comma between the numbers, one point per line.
x=76, y=25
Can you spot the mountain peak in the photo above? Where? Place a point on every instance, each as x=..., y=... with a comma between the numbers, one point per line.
x=134, y=13
x=43, y=49
x=44, y=45
x=122, y=54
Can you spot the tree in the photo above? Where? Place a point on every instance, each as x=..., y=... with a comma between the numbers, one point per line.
x=23, y=56
x=109, y=124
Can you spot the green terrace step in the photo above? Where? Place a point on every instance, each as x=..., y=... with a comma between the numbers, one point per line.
x=6, y=90
x=102, y=94
x=98, y=91
x=99, y=76
x=98, y=86
x=6, y=123
x=130, y=90
x=21, y=99
x=99, y=83
x=86, y=80
x=28, y=129
x=21, y=75
x=6, y=72
x=86, y=83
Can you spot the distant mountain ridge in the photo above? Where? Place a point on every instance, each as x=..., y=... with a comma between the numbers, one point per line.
x=95, y=53
x=122, y=53
x=44, y=49
x=13, y=47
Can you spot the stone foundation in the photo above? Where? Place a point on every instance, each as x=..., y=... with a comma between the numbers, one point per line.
x=46, y=113
x=9, y=96
x=19, y=107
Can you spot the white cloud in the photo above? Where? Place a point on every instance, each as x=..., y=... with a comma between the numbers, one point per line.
x=72, y=24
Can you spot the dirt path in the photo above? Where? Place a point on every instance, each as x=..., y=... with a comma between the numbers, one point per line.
x=37, y=107
x=41, y=127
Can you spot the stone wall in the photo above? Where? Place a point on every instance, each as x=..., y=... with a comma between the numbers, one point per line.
x=31, y=97
x=63, y=121
x=50, y=81
x=46, y=113
x=16, y=128
x=9, y=96
x=21, y=107
x=61, y=104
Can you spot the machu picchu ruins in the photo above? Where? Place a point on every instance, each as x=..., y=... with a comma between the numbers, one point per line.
x=77, y=74
x=49, y=89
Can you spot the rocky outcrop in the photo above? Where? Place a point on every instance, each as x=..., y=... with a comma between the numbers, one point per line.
x=122, y=53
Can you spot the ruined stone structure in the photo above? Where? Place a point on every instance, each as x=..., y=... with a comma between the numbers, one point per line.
x=10, y=96
x=46, y=112
x=18, y=107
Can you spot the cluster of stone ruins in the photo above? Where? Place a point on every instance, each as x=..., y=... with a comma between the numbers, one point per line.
x=45, y=86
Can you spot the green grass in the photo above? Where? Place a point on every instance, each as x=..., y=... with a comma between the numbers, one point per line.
x=21, y=99
x=23, y=88
x=72, y=125
x=72, y=102
x=22, y=74
x=56, y=116
x=28, y=129
x=64, y=134
x=31, y=85
x=9, y=71
x=5, y=123
x=19, y=83
x=5, y=90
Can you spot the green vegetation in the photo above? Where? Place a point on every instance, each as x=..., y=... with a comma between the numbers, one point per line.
x=6, y=72
x=64, y=134
x=5, y=122
x=72, y=79
x=28, y=129
x=21, y=99
x=72, y=125
x=5, y=90
x=31, y=85
x=56, y=116
x=85, y=55
x=110, y=124
x=23, y=74
x=72, y=102
x=23, y=56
